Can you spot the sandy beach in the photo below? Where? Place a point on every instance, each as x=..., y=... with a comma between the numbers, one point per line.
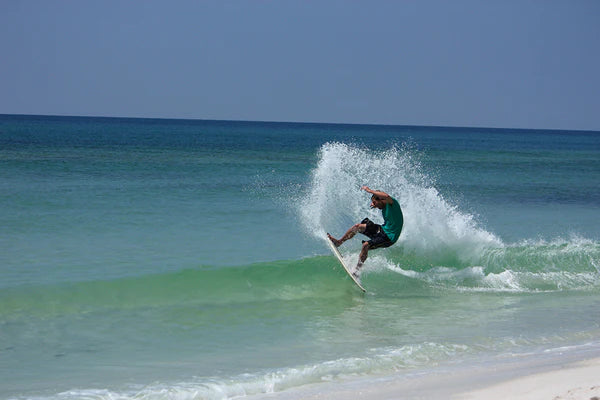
x=577, y=381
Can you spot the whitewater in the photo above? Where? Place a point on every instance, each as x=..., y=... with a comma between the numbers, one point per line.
x=171, y=259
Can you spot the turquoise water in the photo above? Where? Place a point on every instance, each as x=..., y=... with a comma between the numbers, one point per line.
x=184, y=259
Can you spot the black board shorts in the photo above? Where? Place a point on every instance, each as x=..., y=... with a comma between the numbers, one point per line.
x=375, y=232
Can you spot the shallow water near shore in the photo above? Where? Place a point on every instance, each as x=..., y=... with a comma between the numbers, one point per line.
x=185, y=259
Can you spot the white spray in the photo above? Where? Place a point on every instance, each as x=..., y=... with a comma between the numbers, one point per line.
x=432, y=227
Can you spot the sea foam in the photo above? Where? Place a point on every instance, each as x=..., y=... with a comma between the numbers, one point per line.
x=440, y=244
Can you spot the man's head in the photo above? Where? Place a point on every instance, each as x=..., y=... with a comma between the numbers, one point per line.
x=376, y=202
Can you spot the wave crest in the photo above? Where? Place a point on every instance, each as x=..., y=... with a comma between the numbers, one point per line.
x=440, y=245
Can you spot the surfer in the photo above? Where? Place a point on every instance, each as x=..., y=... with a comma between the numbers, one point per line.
x=380, y=235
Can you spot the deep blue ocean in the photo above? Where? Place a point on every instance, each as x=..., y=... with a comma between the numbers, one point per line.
x=185, y=259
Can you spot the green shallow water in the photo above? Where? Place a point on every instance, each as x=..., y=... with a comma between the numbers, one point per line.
x=185, y=259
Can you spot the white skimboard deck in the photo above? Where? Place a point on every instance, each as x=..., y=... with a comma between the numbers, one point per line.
x=337, y=254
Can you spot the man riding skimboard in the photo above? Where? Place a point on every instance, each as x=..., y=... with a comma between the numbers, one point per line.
x=379, y=235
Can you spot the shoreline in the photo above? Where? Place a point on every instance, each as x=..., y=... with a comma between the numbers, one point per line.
x=561, y=375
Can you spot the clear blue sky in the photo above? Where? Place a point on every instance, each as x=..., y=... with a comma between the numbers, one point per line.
x=515, y=64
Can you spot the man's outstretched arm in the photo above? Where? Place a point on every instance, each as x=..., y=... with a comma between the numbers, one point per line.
x=386, y=198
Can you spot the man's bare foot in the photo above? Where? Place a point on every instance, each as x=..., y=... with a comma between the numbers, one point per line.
x=336, y=242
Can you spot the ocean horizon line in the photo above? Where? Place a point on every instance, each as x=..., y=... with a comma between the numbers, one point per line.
x=294, y=123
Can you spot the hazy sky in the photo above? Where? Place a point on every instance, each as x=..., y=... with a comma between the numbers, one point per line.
x=518, y=64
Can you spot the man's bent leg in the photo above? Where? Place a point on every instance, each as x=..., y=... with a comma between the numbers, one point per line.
x=348, y=235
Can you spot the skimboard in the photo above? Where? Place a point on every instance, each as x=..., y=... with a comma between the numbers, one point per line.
x=337, y=254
